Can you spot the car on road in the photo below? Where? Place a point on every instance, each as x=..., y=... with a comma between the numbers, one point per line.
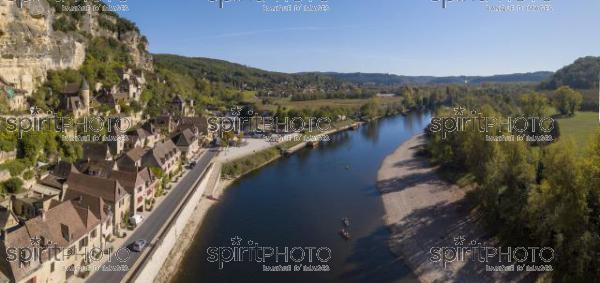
x=138, y=245
x=136, y=219
x=191, y=165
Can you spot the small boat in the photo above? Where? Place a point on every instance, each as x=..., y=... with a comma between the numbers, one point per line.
x=346, y=221
x=345, y=234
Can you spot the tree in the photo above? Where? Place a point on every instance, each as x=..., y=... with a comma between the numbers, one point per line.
x=567, y=100
x=370, y=109
x=559, y=212
x=13, y=185
x=534, y=105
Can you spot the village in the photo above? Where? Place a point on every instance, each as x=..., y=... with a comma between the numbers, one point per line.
x=90, y=206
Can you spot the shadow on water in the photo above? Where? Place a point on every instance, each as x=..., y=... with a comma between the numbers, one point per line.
x=369, y=264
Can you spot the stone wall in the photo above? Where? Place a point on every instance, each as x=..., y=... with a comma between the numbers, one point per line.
x=7, y=155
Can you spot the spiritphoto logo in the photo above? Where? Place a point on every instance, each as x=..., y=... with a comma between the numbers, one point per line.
x=496, y=258
x=40, y=250
x=246, y=120
x=272, y=258
x=53, y=122
x=473, y=120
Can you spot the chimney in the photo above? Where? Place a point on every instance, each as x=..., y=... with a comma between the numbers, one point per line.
x=43, y=213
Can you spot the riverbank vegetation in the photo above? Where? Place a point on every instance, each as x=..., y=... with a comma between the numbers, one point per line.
x=531, y=193
x=249, y=163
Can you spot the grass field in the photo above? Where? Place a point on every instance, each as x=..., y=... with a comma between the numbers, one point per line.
x=580, y=128
x=314, y=104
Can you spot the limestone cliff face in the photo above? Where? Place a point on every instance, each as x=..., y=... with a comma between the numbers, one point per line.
x=29, y=47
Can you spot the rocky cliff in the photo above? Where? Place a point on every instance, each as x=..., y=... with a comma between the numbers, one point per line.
x=31, y=44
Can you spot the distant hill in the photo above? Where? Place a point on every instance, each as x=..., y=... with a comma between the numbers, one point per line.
x=248, y=77
x=378, y=79
x=582, y=74
x=234, y=74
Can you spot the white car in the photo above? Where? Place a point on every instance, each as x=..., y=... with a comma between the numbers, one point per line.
x=136, y=219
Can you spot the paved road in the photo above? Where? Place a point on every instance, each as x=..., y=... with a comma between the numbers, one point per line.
x=113, y=271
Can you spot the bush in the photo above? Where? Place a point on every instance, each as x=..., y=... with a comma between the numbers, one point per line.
x=28, y=175
x=13, y=185
x=64, y=24
x=15, y=167
x=244, y=165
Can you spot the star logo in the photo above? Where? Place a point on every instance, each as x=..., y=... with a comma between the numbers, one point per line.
x=236, y=241
x=459, y=111
x=236, y=110
x=34, y=110
x=459, y=241
x=35, y=241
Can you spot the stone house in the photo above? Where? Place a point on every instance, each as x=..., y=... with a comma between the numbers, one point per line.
x=111, y=191
x=66, y=234
x=140, y=184
x=96, y=151
x=164, y=155
x=145, y=136
x=187, y=142
x=131, y=160
x=75, y=99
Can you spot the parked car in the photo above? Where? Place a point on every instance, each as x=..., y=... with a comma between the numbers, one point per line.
x=136, y=219
x=138, y=245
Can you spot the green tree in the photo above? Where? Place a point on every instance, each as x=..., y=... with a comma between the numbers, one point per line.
x=13, y=185
x=567, y=100
x=370, y=109
x=534, y=105
x=559, y=212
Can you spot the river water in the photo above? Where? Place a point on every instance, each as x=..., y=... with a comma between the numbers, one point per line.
x=299, y=201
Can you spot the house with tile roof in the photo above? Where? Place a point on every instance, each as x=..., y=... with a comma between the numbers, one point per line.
x=165, y=155
x=96, y=151
x=132, y=159
x=187, y=142
x=64, y=238
x=140, y=185
x=75, y=99
x=112, y=193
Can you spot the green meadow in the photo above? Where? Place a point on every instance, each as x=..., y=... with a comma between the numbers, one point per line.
x=580, y=128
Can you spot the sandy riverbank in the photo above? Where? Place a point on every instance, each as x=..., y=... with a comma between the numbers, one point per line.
x=423, y=211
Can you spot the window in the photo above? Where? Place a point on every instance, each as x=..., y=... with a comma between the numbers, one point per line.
x=52, y=267
x=83, y=243
x=93, y=234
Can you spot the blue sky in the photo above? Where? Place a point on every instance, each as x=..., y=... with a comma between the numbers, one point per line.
x=407, y=37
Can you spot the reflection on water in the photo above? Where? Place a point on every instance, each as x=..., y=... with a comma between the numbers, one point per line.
x=299, y=202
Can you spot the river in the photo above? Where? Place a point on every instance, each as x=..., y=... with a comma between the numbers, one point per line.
x=299, y=201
